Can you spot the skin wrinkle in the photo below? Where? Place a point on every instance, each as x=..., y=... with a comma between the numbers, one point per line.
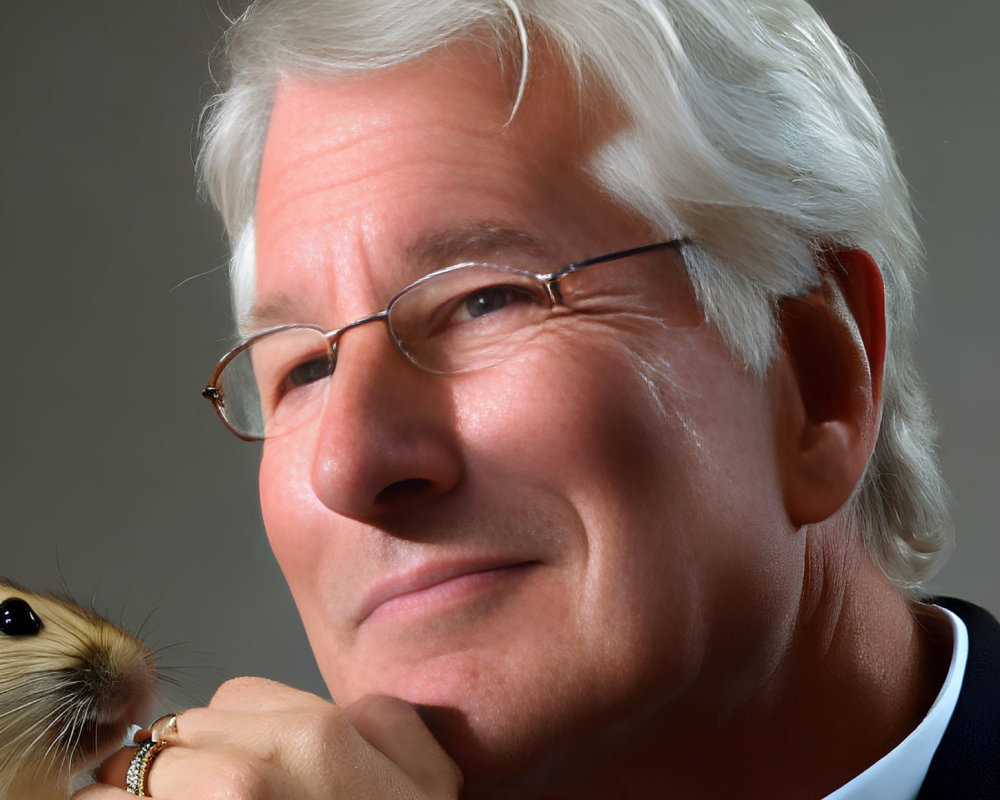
x=486, y=237
x=387, y=162
x=654, y=376
x=428, y=253
x=387, y=290
x=404, y=165
x=656, y=371
x=474, y=242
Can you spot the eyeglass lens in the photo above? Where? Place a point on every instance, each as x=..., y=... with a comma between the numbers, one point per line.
x=456, y=320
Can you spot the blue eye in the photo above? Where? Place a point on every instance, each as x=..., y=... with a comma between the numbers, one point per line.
x=486, y=301
x=491, y=299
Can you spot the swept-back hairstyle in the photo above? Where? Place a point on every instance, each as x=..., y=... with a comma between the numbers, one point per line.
x=747, y=129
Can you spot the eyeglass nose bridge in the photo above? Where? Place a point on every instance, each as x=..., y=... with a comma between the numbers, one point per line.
x=333, y=337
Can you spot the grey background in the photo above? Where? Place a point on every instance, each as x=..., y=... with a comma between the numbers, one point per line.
x=117, y=482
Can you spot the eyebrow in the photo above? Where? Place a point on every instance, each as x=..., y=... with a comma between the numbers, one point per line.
x=277, y=310
x=427, y=253
x=444, y=248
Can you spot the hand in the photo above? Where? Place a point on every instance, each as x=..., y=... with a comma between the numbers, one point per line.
x=260, y=740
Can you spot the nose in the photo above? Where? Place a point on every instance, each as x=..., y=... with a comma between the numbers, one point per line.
x=386, y=441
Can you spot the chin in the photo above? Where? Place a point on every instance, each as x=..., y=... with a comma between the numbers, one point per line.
x=504, y=757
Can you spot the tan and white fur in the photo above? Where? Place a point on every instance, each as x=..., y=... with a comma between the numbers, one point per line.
x=70, y=685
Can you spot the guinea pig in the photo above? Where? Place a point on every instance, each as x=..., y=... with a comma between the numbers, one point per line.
x=70, y=685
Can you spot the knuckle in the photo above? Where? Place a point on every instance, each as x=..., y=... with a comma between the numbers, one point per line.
x=233, y=689
x=236, y=777
x=324, y=727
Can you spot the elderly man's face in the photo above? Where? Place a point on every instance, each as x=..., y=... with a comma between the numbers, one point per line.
x=564, y=539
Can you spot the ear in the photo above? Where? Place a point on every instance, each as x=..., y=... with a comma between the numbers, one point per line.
x=829, y=385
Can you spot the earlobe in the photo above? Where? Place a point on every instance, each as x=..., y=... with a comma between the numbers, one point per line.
x=828, y=385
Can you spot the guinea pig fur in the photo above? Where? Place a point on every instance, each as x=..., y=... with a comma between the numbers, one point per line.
x=70, y=685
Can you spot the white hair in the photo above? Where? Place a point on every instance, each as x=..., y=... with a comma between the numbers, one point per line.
x=748, y=130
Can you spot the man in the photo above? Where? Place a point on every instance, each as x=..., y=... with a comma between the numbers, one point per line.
x=629, y=491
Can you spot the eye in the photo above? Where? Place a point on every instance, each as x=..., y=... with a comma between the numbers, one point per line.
x=487, y=301
x=17, y=618
x=308, y=372
x=490, y=300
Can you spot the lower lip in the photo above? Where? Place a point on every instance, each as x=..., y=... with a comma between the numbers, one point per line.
x=450, y=594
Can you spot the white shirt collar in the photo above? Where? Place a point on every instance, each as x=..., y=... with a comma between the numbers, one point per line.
x=899, y=774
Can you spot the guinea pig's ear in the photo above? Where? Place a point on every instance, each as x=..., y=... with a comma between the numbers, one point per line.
x=17, y=618
x=829, y=384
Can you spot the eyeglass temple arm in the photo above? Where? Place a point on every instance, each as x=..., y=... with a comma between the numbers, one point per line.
x=552, y=281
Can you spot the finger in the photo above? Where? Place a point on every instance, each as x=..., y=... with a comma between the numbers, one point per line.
x=115, y=768
x=112, y=771
x=394, y=727
x=98, y=791
x=176, y=767
x=260, y=695
x=228, y=773
x=242, y=713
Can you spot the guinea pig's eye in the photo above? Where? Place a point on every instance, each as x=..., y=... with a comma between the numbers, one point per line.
x=18, y=619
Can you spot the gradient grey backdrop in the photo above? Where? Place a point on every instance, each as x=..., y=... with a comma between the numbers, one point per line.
x=117, y=481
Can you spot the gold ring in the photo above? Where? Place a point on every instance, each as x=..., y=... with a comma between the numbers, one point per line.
x=162, y=730
x=138, y=769
x=165, y=728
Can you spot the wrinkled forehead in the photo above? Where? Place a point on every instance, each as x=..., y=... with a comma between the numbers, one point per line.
x=465, y=86
x=341, y=153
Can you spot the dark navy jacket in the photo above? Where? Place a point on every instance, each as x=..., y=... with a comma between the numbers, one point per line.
x=966, y=765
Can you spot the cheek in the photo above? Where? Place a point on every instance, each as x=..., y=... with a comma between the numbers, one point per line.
x=287, y=503
x=584, y=427
x=668, y=460
x=555, y=421
x=586, y=417
x=666, y=463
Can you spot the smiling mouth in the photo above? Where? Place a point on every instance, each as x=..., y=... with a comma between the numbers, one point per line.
x=440, y=589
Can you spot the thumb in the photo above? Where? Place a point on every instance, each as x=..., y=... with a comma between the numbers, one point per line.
x=394, y=727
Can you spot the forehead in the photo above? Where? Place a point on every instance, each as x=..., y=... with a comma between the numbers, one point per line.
x=391, y=173
x=460, y=90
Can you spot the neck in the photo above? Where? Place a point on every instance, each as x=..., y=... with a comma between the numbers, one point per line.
x=861, y=667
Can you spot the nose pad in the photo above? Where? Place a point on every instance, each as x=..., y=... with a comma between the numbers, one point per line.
x=386, y=438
